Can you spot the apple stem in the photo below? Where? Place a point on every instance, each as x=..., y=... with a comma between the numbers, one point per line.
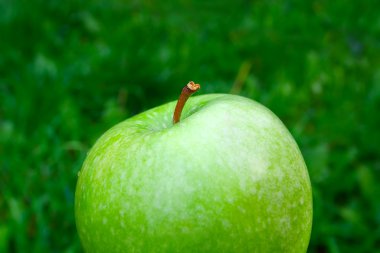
x=187, y=91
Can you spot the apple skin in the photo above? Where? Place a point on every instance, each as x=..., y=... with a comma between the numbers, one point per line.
x=229, y=177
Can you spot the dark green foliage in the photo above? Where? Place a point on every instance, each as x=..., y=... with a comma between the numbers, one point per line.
x=71, y=69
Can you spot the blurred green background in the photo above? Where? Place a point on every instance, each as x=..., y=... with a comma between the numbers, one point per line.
x=69, y=70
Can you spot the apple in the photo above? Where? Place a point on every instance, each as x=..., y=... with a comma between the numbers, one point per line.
x=228, y=177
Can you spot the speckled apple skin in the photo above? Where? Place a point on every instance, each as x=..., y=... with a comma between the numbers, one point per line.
x=228, y=178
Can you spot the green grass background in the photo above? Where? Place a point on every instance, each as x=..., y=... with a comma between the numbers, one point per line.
x=69, y=70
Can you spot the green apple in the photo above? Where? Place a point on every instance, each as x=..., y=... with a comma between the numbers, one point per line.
x=228, y=177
